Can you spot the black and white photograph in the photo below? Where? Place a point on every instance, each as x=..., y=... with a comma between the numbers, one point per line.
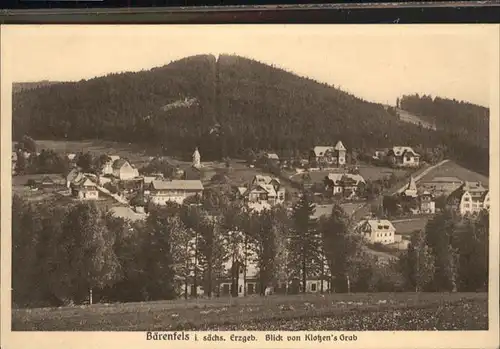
x=251, y=178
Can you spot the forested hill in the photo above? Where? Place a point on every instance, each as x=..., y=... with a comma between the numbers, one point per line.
x=22, y=86
x=466, y=120
x=224, y=106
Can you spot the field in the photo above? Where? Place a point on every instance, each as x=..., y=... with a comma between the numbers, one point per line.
x=381, y=311
x=411, y=118
x=452, y=169
x=133, y=152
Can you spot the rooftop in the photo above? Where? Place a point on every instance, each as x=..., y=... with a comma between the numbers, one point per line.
x=177, y=185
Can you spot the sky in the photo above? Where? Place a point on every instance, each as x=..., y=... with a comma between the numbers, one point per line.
x=377, y=63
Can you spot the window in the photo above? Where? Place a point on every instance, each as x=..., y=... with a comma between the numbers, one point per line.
x=240, y=289
x=313, y=287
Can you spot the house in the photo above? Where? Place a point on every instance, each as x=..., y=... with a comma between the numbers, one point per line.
x=427, y=203
x=263, y=190
x=328, y=155
x=377, y=231
x=107, y=168
x=272, y=156
x=163, y=191
x=244, y=279
x=84, y=189
x=71, y=156
x=439, y=186
x=123, y=170
x=345, y=184
x=402, y=156
x=470, y=198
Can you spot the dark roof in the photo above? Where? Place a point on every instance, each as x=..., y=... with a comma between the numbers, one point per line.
x=119, y=163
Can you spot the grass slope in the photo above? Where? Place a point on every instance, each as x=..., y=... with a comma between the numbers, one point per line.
x=452, y=169
x=381, y=311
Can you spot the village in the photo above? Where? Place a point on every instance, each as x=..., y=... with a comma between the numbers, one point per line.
x=339, y=181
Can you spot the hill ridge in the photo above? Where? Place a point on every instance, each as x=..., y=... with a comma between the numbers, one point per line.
x=256, y=105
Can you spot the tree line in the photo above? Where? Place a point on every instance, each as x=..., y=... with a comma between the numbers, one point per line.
x=78, y=253
x=242, y=105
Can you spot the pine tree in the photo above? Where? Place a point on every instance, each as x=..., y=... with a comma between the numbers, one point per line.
x=440, y=235
x=340, y=246
x=86, y=251
x=417, y=263
x=304, y=240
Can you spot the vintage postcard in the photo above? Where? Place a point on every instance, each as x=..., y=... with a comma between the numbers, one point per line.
x=257, y=186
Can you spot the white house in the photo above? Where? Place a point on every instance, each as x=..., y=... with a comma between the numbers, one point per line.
x=346, y=184
x=377, y=231
x=427, y=203
x=263, y=190
x=328, y=155
x=123, y=170
x=470, y=198
x=163, y=191
x=403, y=156
x=84, y=189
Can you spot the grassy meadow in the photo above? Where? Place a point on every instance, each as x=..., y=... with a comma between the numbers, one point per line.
x=377, y=311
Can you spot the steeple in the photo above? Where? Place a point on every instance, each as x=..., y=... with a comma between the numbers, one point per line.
x=196, y=158
x=411, y=188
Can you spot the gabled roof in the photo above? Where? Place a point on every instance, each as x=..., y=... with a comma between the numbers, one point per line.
x=127, y=213
x=412, y=185
x=272, y=156
x=177, y=185
x=444, y=180
x=118, y=164
x=339, y=146
x=261, y=179
x=242, y=190
x=378, y=225
x=401, y=150
x=74, y=175
x=84, y=182
x=336, y=178
x=114, y=158
x=321, y=149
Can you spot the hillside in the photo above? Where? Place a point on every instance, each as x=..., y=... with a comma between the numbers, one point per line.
x=224, y=106
x=23, y=86
x=414, y=119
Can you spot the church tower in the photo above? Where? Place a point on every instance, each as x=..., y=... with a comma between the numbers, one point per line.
x=196, y=158
x=411, y=188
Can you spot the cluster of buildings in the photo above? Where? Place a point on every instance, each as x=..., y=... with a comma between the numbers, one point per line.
x=465, y=197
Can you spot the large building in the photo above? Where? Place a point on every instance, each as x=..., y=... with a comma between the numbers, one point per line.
x=439, y=186
x=265, y=191
x=328, y=155
x=345, y=184
x=470, y=198
x=163, y=191
x=377, y=231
